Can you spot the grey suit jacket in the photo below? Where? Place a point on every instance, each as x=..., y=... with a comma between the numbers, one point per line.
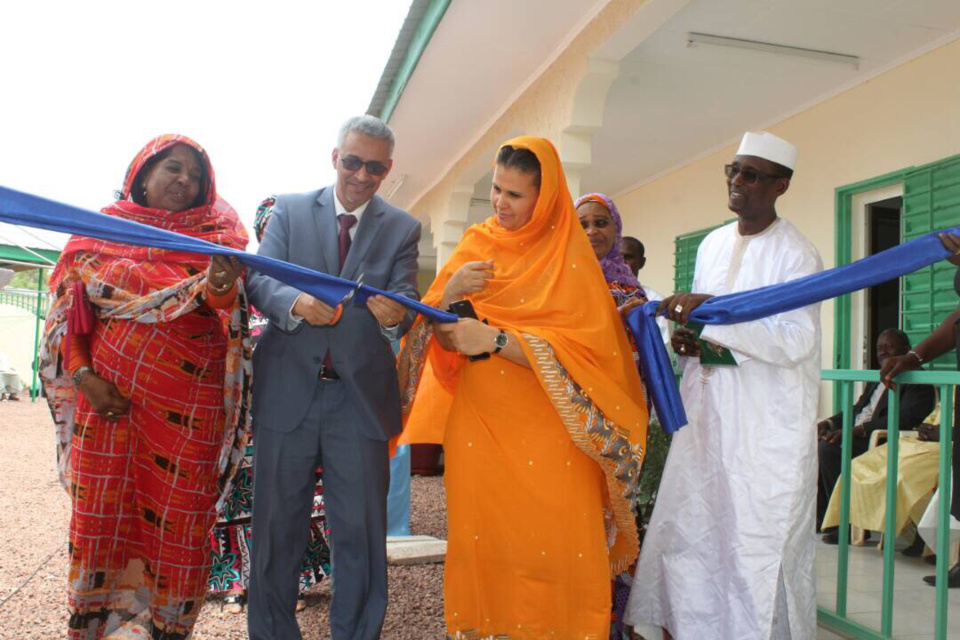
x=303, y=230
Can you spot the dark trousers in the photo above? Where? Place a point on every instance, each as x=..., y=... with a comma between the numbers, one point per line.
x=356, y=478
x=829, y=457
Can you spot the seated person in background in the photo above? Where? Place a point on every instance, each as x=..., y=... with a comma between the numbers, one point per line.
x=10, y=383
x=870, y=414
x=918, y=463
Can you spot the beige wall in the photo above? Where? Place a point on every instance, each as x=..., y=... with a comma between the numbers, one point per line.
x=907, y=116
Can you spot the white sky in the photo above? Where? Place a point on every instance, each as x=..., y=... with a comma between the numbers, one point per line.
x=262, y=86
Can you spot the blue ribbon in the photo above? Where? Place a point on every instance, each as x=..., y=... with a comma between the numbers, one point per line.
x=17, y=207
x=25, y=209
x=767, y=301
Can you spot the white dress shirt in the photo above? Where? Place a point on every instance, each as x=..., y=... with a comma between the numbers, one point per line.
x=341, y=210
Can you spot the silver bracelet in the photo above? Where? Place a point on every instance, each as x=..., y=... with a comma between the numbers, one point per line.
x=915, y=355
x=79, y=373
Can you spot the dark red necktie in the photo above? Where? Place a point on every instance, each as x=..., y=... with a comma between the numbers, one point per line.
x=347, y=220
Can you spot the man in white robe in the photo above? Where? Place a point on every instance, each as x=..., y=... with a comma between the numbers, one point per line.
x=729, y=554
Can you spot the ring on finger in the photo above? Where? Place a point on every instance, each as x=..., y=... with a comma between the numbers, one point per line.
x=111, y=414
x=678, y=308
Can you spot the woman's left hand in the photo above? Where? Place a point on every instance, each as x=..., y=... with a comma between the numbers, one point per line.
x=223, y=271
x=627, y=306
x=468, y=336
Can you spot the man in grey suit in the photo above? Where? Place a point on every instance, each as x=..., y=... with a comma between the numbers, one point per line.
x=325, y=390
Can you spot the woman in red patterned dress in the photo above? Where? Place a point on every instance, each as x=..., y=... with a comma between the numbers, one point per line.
x=146, y=365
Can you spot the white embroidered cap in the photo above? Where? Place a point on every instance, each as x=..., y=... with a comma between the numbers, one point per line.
x=769, y=147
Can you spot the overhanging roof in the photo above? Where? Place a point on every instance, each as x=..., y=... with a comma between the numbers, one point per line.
x=20, y=259
x=414, y=36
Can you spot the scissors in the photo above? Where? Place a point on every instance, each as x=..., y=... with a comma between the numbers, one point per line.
x=345, y=300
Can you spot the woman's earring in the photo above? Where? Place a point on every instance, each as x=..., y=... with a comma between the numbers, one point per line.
x=144, y=192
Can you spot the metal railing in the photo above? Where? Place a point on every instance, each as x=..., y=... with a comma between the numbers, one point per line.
x=838, y=619
x=25, y=299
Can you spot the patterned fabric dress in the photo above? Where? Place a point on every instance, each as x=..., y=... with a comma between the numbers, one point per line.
x=622, y=294
x=658, y=443
x=625, y=288
x=231, y=537
x=145, y=487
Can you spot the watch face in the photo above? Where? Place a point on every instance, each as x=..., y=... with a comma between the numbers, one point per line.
x=500, y=340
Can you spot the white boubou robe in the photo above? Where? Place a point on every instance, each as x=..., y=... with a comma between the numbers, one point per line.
x=729, y=554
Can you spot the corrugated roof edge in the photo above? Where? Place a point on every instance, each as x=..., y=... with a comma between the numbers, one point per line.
x=415, y=34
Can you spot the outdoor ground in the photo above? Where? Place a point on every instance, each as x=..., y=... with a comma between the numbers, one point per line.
x=35, y=512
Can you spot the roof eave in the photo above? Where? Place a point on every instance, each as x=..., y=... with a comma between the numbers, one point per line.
x=418, y=28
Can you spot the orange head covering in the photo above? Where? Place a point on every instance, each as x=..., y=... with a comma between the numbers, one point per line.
x=548, y=290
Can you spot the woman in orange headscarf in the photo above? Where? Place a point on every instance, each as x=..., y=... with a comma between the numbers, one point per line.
x=543, y=440
x=146, y=366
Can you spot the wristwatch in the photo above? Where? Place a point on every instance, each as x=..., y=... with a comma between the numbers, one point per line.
x=500, y=340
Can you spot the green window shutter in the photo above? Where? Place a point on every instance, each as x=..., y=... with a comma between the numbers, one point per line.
x=685, y=257
x=931, y=200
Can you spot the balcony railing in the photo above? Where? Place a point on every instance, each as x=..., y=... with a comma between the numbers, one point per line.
x=838, y=619
x=25, y=299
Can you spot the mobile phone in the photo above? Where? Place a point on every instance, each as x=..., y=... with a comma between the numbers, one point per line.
x=464, y=309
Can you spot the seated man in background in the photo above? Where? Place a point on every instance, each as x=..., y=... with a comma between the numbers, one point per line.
x=918, y=471
x=10, y=383
x=870, y=414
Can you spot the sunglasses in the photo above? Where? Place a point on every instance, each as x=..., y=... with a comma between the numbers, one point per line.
x=749, y=176
x=353, y=163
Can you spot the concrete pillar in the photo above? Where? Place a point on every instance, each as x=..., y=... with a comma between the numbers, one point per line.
x=449, y=224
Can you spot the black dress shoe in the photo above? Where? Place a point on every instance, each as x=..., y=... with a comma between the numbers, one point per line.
x=833, y=536
x=915, y=550
x=953, y=578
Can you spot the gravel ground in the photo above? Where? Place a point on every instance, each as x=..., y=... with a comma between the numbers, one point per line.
x=35, y=513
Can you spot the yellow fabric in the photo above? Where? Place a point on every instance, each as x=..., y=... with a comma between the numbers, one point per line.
x=919, y=470
x=541, y=463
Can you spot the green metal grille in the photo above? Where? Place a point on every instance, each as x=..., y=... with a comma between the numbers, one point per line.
x=685, y=256
x=26, y=300
x=838, y=619
x=931, y=200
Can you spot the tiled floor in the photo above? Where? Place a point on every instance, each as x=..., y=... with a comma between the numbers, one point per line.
x=913, y=602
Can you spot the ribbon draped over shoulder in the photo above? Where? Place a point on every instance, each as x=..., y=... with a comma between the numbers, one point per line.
x=750, y=305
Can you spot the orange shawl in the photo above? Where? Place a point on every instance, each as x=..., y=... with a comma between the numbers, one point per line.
x=549, y=291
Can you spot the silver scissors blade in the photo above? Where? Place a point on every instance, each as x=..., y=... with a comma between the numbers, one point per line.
x=349, y=296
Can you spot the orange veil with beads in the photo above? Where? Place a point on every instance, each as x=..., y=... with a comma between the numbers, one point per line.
x=547, y=291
